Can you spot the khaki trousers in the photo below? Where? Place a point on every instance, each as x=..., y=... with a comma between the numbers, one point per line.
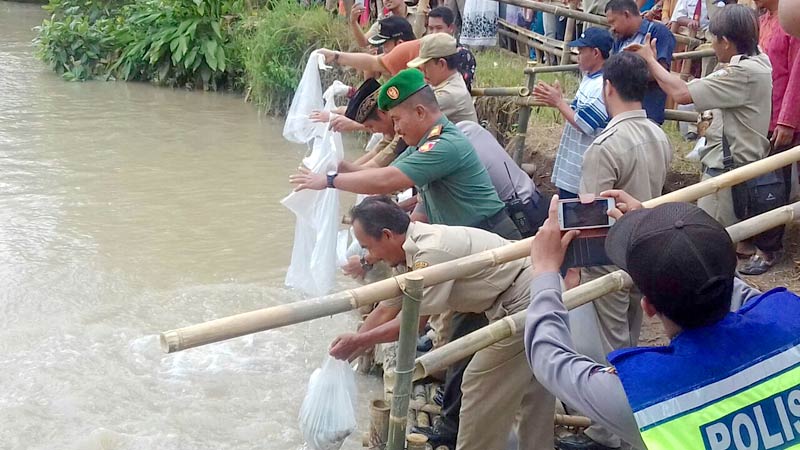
x=719, y=205
x=497, y=384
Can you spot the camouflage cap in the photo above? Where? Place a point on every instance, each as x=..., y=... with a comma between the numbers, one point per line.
x=401, y=86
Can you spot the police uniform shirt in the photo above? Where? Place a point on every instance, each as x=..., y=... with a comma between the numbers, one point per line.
x=575, y=379
x=416, y=20
x=740, y=96
x=632, y=154
x=451, y=180
x=495, y=291
x=455, y=100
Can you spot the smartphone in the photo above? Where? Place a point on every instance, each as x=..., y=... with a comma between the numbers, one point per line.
x=574, y=215
x=586, y=252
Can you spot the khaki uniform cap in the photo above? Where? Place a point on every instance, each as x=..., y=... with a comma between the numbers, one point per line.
x=437, y=45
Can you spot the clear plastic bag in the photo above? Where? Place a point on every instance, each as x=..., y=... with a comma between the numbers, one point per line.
x=313, y=266
x=328, y=414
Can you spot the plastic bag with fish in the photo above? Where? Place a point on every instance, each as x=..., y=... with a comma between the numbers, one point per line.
x=328, y=413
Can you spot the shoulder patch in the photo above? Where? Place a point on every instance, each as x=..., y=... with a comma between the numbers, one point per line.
x=604, y=135
x=719, y=73
x=428, y=146
x=420, y=265
x=436, y=131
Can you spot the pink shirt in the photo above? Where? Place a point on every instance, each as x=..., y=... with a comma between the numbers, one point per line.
x=784, y=55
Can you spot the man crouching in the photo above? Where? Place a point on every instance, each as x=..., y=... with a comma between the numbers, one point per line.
x=497, y=382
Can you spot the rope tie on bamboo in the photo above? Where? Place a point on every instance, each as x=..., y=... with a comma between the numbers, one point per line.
x=403, y=290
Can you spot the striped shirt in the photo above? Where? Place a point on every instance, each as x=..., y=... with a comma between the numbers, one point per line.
x=592, y=118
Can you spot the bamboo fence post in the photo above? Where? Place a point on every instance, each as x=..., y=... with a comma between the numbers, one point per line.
x=566, y=53
x=516, y=91
x=524, y=118
x=378, y=424
x=510, y=325
x=416, y=441
x=301, y=311
x=406, y=349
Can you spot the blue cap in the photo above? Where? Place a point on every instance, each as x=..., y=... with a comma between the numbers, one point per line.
x=598, y=38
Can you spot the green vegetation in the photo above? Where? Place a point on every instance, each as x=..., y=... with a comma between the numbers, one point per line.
x=275, y=45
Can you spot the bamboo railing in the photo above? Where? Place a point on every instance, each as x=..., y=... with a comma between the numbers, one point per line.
x=292, y=313
x=465, y=346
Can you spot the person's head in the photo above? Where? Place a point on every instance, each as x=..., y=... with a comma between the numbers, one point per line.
x=411, y=104
x=392, y=31
x=623, y=17
x=437, y=58
x=594, y=46
x=734, y=32
x=380, y=227
x=681, y=259
x=625, y=79
x=393, y=5
x=363, y=108
x=441, y=20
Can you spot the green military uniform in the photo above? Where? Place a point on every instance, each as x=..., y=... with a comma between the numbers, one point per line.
x=454, y=185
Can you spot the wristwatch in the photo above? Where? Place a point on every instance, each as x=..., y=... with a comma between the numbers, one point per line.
x=332, y=174
x=365, y=266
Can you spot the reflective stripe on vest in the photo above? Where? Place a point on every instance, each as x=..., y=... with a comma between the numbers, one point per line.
x=757, y=408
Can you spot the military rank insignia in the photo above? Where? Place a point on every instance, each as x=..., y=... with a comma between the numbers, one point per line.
x=428, y=146
x=436, y=131
x=393, y=93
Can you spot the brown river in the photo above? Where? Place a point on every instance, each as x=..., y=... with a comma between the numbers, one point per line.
x=126, y=210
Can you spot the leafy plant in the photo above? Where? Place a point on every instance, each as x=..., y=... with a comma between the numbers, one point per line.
x=275, y=46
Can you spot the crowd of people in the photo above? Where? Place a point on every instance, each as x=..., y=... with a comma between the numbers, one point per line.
x=729, y=378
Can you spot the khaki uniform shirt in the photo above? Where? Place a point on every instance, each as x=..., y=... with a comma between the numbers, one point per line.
x=740, y=97
x=387, y=151
x=632, y=154
x=496, y=291
x=455, y=100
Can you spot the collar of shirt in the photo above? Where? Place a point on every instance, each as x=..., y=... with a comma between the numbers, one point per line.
x=736, y=59
x=453, y=76
x=410, y=246
x=442, y=121
x=594, y=74
x=635, y=114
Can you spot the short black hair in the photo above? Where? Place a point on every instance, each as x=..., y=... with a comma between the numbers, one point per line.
x=444, y=13
x=738, y=24
x=628, y=73
x=425, y=97
x=622, y=6
x=452, y=60
x=379, y=212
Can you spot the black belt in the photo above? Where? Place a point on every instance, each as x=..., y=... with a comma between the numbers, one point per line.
x=490, y=222
x=712, y=172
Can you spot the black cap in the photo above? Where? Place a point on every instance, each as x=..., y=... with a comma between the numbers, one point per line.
x=363, y=101
x=598, y=38
x=674, y=251
x=392, y=27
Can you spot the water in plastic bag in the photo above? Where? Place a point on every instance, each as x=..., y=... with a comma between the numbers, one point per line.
x=328, y=415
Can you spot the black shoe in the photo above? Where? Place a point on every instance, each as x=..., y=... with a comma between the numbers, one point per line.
x=578, y=442
x=438, y=397
x=437, y=436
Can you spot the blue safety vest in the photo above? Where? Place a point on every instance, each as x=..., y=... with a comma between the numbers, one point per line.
x=733, y=385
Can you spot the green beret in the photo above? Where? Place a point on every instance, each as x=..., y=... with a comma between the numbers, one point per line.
x=401, y=86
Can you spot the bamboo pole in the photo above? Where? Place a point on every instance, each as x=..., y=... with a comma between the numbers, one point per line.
x=465, y=346
x=584, y=17
x=406, y=349
x=524, y=118
x=537, y=45
x=519, y=91
x=569, y=34
x=681, y=116
x=302, y=311
x=378, y=424
x=423, y=419
x=694, y=54
x=573, y=421
x=416, y=441
x=551, y=69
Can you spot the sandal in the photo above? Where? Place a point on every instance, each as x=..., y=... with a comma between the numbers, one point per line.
x=758, y=265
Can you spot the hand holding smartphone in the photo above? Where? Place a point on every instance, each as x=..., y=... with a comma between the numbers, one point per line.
x=576, y=215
